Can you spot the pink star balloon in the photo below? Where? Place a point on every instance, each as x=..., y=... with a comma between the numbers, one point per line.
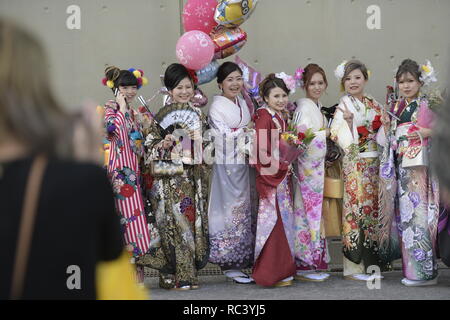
x=199, y=15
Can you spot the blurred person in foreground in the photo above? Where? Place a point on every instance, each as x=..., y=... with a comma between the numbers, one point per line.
x=52, y=245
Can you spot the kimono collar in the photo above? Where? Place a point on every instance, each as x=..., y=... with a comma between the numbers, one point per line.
x=275, y=119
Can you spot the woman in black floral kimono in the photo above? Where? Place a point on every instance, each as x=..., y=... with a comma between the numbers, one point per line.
x=178, y=218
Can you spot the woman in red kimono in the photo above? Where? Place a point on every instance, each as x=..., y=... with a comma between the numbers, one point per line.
x=274, y=256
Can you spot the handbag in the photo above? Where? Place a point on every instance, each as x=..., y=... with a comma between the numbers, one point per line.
x=32, y=192
x=115, y=280
x=162, y=168
x=415, y=156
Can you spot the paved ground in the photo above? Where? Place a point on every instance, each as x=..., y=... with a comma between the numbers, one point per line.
x=216, y=287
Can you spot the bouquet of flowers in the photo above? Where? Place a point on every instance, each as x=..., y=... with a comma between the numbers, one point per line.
x=295, y=140
x=368, y=131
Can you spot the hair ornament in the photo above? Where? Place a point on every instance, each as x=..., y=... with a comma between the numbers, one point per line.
x=428, y=73
x=340, y=70
x=139, y=74
x=289, y=81
x=193, y=75
x=298, y=76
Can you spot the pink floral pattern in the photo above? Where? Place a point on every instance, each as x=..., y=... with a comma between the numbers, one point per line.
x=267, y=216
x=308, y=197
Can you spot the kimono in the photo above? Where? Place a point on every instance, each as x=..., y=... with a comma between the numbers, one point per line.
x=274, y=249
x=310, y=243
x=444, y=235
x=362, y=222
x=177, y=219
x=124, y=134
x=232, y=208
x=409, y=195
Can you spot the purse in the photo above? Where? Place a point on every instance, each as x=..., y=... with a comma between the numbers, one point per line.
x=164, y=168
x=415, y=156
x=32, y=192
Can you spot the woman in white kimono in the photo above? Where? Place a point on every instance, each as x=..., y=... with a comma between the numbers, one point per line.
x=310, y=244
x=354, y=128
x=230, y=212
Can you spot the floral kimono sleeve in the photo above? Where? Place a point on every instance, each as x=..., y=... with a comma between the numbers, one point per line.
x=115, y=121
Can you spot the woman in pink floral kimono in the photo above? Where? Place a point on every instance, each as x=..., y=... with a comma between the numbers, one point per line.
x=311, y=251
x=274, y=250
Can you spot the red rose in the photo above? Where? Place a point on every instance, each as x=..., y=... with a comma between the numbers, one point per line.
x=375, y=214
x=127, y=190
x=376, y=123
x=353, y=225
x=362, y=130
x=301, y=136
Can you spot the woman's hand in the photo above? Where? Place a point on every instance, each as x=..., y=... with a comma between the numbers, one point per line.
x=122, y=102
x=385, y=121
x=424, y=132
x=112, y=104
x=347, y=114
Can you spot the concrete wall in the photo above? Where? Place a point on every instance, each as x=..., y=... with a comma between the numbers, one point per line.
x=283, y=34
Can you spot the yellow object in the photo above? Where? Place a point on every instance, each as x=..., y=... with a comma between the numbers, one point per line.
x=144, y=81
x=369, y=73
x=234, y=15
x=116, y=280
x=333, y=188
x=106, y=159
x=100, y=111
x=137, y=74
x=426, y=69
x=110, y=84
x=332, y=206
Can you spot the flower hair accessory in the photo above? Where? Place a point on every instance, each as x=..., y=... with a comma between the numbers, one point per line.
x=288, y=80
x=428, y=74
x=340, y=70
x=299, y=77
x=193, y=75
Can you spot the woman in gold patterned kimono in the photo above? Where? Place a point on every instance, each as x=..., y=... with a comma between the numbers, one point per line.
x=354, y=129
x=178, y=218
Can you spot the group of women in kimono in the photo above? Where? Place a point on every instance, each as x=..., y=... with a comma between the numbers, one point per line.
x=242, y=214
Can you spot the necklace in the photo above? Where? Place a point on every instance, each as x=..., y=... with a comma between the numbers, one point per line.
x=355, y=103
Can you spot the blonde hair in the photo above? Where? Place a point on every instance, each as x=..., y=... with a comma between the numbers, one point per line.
x=29, y=111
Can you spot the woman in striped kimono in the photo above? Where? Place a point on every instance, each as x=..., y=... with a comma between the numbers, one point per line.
x=124, y=133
